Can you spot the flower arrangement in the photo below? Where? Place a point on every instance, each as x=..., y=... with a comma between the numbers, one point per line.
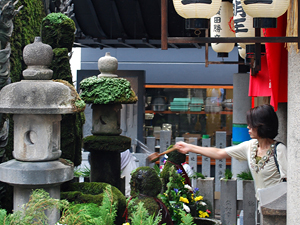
x=179, y=196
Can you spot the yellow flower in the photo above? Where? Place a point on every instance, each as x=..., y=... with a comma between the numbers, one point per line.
x=198, y=198
x=185, y=200
x=203, y=214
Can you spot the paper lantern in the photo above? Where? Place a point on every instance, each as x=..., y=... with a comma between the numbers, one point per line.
x=221, y=25
x=242, y=52
x=197, y=9
x=243, y=23
x=265, y=12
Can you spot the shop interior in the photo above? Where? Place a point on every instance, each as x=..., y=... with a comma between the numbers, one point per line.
x=188, y=111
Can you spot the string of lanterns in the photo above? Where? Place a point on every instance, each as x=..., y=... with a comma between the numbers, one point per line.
x=226, y=16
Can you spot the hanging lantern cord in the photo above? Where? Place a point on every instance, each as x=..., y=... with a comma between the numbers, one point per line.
x=197, y=32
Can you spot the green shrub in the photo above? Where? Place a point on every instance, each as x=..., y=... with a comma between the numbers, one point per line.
x=245, y=175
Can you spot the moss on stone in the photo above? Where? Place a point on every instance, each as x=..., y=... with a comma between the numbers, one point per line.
x=176, y=157
x=149, y=203
x=71, y=137
x=93, y=193
x=27, y=24
x=145, y=185
x=60, y=65
x=26, y=27
x=145, y=180
x=58, y=31
x=106, y=143
x=78, y=104
x=107, y=90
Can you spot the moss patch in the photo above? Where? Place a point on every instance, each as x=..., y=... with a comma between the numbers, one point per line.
x=78, y=103
x=106, y=143
x=149, y=203
x=144, y=180
x=27, y=24
x=176, y=157
x=106, y=90
x=61, y=65
x=145, y=186
x=58, y=31
x=93, y=193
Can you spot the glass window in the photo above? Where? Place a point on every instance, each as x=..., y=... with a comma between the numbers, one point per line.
x=189, y=111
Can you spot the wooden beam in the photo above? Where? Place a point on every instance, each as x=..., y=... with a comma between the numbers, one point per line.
x=191, y=40
x=164, y=24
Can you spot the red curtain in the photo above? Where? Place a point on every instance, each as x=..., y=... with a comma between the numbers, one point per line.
x=272, y=79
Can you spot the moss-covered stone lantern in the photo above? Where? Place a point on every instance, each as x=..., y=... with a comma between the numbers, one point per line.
x=37, y=103
x=106, y=92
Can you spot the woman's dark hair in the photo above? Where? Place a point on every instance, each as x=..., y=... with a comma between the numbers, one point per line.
x=264, y=118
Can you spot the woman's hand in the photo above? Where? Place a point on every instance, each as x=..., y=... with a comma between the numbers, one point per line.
x=182, y=147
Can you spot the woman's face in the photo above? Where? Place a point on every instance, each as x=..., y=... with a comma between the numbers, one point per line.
x=252, y=132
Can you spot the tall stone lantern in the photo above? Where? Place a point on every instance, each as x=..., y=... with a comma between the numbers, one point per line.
x=37, y=104
x=106, y=92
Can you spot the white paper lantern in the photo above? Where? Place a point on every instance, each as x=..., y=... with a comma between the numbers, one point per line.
x=190, y=9
x=265, y=12
x=242, y=52
x=243, y=23
x=221, y=25
x=265, y=8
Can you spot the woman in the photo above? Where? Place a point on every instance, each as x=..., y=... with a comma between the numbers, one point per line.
x=259, y=151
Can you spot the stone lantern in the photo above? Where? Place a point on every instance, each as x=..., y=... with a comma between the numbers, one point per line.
x=106, y=92
x=37, y=104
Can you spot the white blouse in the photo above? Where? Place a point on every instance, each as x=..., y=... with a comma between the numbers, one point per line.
x=268, y=175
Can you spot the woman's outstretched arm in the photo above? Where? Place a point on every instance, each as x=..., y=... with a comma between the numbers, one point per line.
x=211, y=152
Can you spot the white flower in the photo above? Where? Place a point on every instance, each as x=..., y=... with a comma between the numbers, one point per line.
x=186, y=208
x=188, y=187
x=202, y=203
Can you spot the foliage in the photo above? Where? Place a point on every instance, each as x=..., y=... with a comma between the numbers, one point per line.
x=198, y=175
x=91, y=213
x=180, y=197
x=80, y=214
x=157, y=170
x=245, y=175
x=174, y=157
x=105, y=90
x=140, y=215
x=82, y=172
x=186, y=218
x=93, y=192
x=227, y=175
x=80, y=104
x=108, y=210
x=34, y=211
x=73, y=214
